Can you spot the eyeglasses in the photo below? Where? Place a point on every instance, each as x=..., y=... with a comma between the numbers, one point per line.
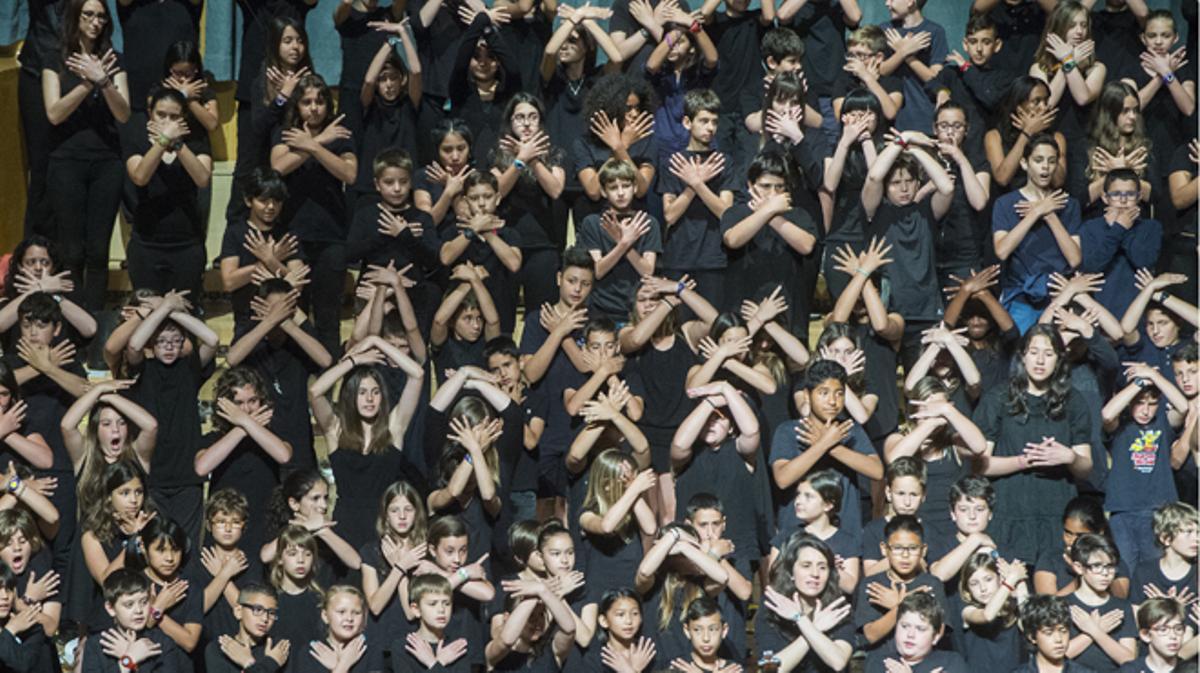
x=177, y=342
x=908, y=550
x=1122, y=196
x=89, y=15
x=260, y=610
x=1101, y=568
x=229, y=525
x=950, y=126
x=1165, y=629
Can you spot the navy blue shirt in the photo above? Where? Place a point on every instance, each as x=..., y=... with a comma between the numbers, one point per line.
x=1037, y=255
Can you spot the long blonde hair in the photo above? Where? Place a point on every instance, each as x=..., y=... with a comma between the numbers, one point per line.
x=606, y=485
x=1058, y=23
x=420, y=527
x=677, y=587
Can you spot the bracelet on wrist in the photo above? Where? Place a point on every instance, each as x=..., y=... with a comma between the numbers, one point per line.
x=519, y=164
x=965, y=66
x=695, y=27
x=1168, y=78
x=863, y=272
x=680, y=289
x=1008, y=586
x=463, y=574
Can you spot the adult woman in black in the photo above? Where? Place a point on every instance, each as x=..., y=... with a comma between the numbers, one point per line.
x=86, y=95
x=40, y=46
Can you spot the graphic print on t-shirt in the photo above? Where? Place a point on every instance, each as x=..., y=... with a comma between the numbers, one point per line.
x=1143, y=452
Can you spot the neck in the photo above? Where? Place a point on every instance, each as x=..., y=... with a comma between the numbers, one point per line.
x=156, y=577
x=819, y=526
x=293, y=587
x=618, y=644
x=913, y=660
x=697, y=146
x=1087, y=593
x=1047, y=665
x=246, y=638
x=1035, y=388
x=1173, y=560
x=430, y=633
x=912, y=20
x=1157, y=661
x=259, y=224
x=87, y=43
x=1031, y=189
x=904, y=578
x=574, y=69
x=706, y=663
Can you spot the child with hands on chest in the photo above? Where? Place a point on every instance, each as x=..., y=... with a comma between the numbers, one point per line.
x=249, y=650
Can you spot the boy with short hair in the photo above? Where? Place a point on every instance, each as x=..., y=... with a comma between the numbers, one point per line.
x=823, y=27
x=1019, y=23
x=904, y=490
x=974, y=81
x=783, y=52
x=876, y=610
x=248, y=649
x=1162, y=627
x=228, y=563
x=697, y=188
x=918, y=47
x=129, y=646
x=920, y=626
x=1176, y=529
x=864, y=56
x=1119, y=242
x=432, y=598
x=1046, y=623
x=821, y=440
x=971, y=501
x=623, y=242
x=706, y=630
x=504, y=362
x=1103, y=633
x=706, y=513
x=1141, y=479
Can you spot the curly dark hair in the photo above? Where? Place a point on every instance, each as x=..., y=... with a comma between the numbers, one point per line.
x=18, y=254
x=1059, y=388
x=611, y=92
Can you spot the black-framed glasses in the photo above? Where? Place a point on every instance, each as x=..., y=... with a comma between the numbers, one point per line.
x=261, y=610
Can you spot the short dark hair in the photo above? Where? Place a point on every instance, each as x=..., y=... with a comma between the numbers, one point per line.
x=392, y=157
x=1090, y=543
x=1188, y=352
x=906, y=466
x=973, y=486
x=903, y=523
x=1041, y=611
x=1121, y=174
x=577, y=256
x=925, y=604
x=704, y=606
x=702, y=501
x=501, y=345
x=700, y=100
x=257, y=589
x=1159, y=14
x=780, y=43
x=40, y=306
x=122, y=582
x=265, y=183
x=599, y=324
x=821, y=371
x=980, y=22
x=477, y=178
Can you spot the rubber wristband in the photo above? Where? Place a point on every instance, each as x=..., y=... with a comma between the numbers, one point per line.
x=862, y=272
x=519, y=164
x=680, y=288
x=1008, y=586
x=965, y=66
x=695, y=27
x=462, y=573
x=1168, y=78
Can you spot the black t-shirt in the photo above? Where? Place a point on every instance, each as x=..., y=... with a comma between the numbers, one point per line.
x=527, y=38
x=612, y=295
x=767, y=258
x=233, y=244
x=846, y=82
x=738, y=40
x=44, y=37
x=938, y=661
x=360, y=43
x=536, y=405
x=169, y=393
x=694, y=241
x=437, y=45
x=913, y=275
x=286, y=368
x=150, y=28
x=171, y=659
x=529, y=209
x=383, y=125
x=480, y=253
x=91, y=130
x=588, y=152
x=959, y=238
x=316, y=207
x=1020, y=26
x=1186, y=219
x=215, y=660
x=1118, y=42
x=366, y=244
x=866, y=612
x=299, y=622
x=167, y=209
x=256, y=17
x=1093, y=657
x=822, y=25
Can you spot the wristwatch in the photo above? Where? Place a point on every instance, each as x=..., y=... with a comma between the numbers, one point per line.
x=469, y=234
x=128, y=663
x=14, y=484
x=1168, y=78
x=1068, y=66
x=156, y=614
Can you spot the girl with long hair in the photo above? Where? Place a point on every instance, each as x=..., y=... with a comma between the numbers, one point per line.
x=1118, y=139
x=1039, y=434
x=365, y=432
x=992, y=591
x=1067, y=62
x=439, y=187
x=402, y=525
x=293, y=572
x=619, y=645
x=109, y=438
x=36, y=266
x=1026, y=112
x=619, y=112
x=302, y=501
x=183, y=71
x=536, y=616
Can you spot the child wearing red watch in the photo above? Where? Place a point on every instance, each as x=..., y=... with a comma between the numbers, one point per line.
x=130, y=646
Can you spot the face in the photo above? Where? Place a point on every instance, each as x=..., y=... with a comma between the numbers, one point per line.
x=706, y=634
x=167, y=111
x=951, y=126
x=1165, y=637
x=394, y=186
x=1160, y=328
x=506, y=368
x=1039, y=359
x=902, y=187
x=905, y=494
x=40, y=332
x=900, y=8
x=36, y=261
x=127, y=499
x=732, y=335
x=313, y=107
x=1072, y=529
x=709, y=523
x=903, y=550
x=450, y=553
x=619, y=193
x=391, y=83
x=257, y=614
x=769, y=185
x=978, y=327
x=482, y=199
x=915, y=636
x=681, y=46
x=703, y=126
x=526, y=121
x=264, y=210
x=17, y=552
x=469, y=324
x=368, y=398
x=1159, y=36
x=6, y=398
x=827, y=399
x=226, y=528
x=453, y=152
x=92, y=19
x=164, y=558
x=247, y=399
x=1186, y=542
x=297, y=562
x=572, y=49
x=8, y=601
x=789, y=63
x=168, y=345
x=981, y=46
x=184, y=70
x=983, y=584
x=809, y=504
x=601, y=344
x=574, y=285
x=1128, y=118
x=111, y=433
x=344, y=615
x=483, y=64
x=1098, y=571
x=131, y=610
x=315, y=502
x=810, y=572
x=971, y=515
x=1121, y=193
x=786, y=106
x=292, y=47
x=717, y=430
x=633, y=104
x=434, y=609
x=1039, y=98
x=1187, y=376
x=558, y=555
x=1077, y=29
x=401, y=515
x=623, y=619
x=1145, y=406
x=1052, y=641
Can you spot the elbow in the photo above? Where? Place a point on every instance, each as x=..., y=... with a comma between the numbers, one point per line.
x=138, y=179
x=122, y=116
x=203, y=181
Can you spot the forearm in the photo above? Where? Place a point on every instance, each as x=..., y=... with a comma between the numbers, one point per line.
x=242, y=348
x=633, y=436
x=792, y=347
x=610, y=260
x=880, y=628
x=868, y=465
x=586, y=392
x=1007, y=169
x=794, y=469
x=143, y=169
x=1008, y=243
x=200, y=174
x=340, y=548
x=197, y=327
x=673, y=211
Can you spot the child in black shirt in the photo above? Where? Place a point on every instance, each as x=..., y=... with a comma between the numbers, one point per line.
x=248, y=649
x=132, y=644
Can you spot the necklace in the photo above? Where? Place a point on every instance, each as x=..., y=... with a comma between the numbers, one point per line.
x=575, y=87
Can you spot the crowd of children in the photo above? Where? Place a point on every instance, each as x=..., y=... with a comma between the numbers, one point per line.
x=576, y=421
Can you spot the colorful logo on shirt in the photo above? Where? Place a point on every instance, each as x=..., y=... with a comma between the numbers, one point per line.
x=1143, y=452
